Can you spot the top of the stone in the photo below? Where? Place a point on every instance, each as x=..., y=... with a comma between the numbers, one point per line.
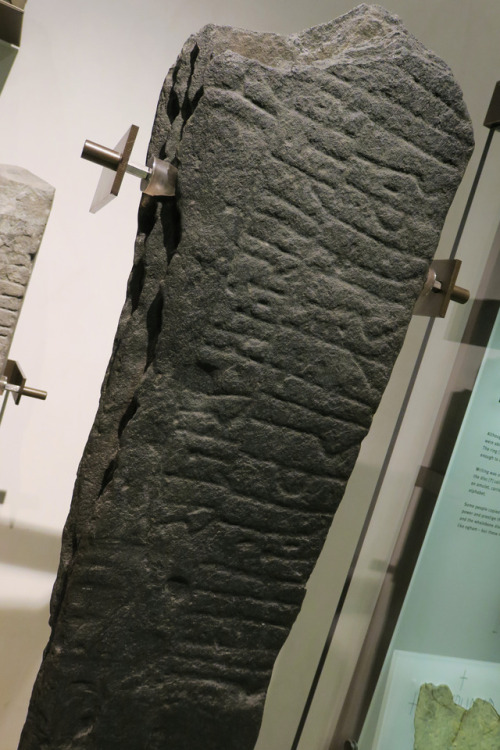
x=363, y=32
x=10, y=173
x=367, y=34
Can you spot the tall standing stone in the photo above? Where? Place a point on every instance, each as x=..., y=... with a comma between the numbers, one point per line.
x=25, y=203
x=265, y=309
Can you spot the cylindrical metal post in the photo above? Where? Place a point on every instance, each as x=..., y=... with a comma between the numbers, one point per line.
x=459, y=294
x=105, y=157
x=34, y=393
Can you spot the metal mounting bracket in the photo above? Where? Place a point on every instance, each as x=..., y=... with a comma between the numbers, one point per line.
x=440, y=289
x=158, y=177
x=13, y=381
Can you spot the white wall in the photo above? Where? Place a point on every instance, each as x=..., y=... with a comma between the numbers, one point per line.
x=88, y=69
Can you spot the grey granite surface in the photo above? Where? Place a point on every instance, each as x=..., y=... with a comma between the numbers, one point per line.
x=265, y=309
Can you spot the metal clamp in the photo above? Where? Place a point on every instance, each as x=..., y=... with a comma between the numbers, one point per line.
x=13, y=381
x=158, y=177
x=440, y=289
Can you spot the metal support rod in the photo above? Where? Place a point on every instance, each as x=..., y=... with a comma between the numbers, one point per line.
x=9, y=387
x=23, y=390
x=138, y=171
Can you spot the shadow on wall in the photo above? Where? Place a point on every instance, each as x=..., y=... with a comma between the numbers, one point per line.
x=26, y=547
x=7, y=57
x=23, y=636
x=24, y=629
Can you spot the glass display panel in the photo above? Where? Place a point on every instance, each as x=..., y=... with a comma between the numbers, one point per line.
x=451, y=614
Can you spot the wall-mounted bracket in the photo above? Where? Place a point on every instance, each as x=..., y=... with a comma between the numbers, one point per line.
x=439, y=289
x=13, y=381
x=11, y=21
x=158, y=177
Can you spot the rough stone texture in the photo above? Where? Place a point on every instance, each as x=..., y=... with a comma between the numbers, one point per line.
x=441, y=724
x=25, y=202
x=265, y=310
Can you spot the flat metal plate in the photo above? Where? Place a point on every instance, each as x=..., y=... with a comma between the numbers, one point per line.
x=11, y=22
x=15, y=376
x=493, y=114
x=110, y=182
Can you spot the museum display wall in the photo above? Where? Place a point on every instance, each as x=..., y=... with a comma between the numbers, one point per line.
x=72, y=79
